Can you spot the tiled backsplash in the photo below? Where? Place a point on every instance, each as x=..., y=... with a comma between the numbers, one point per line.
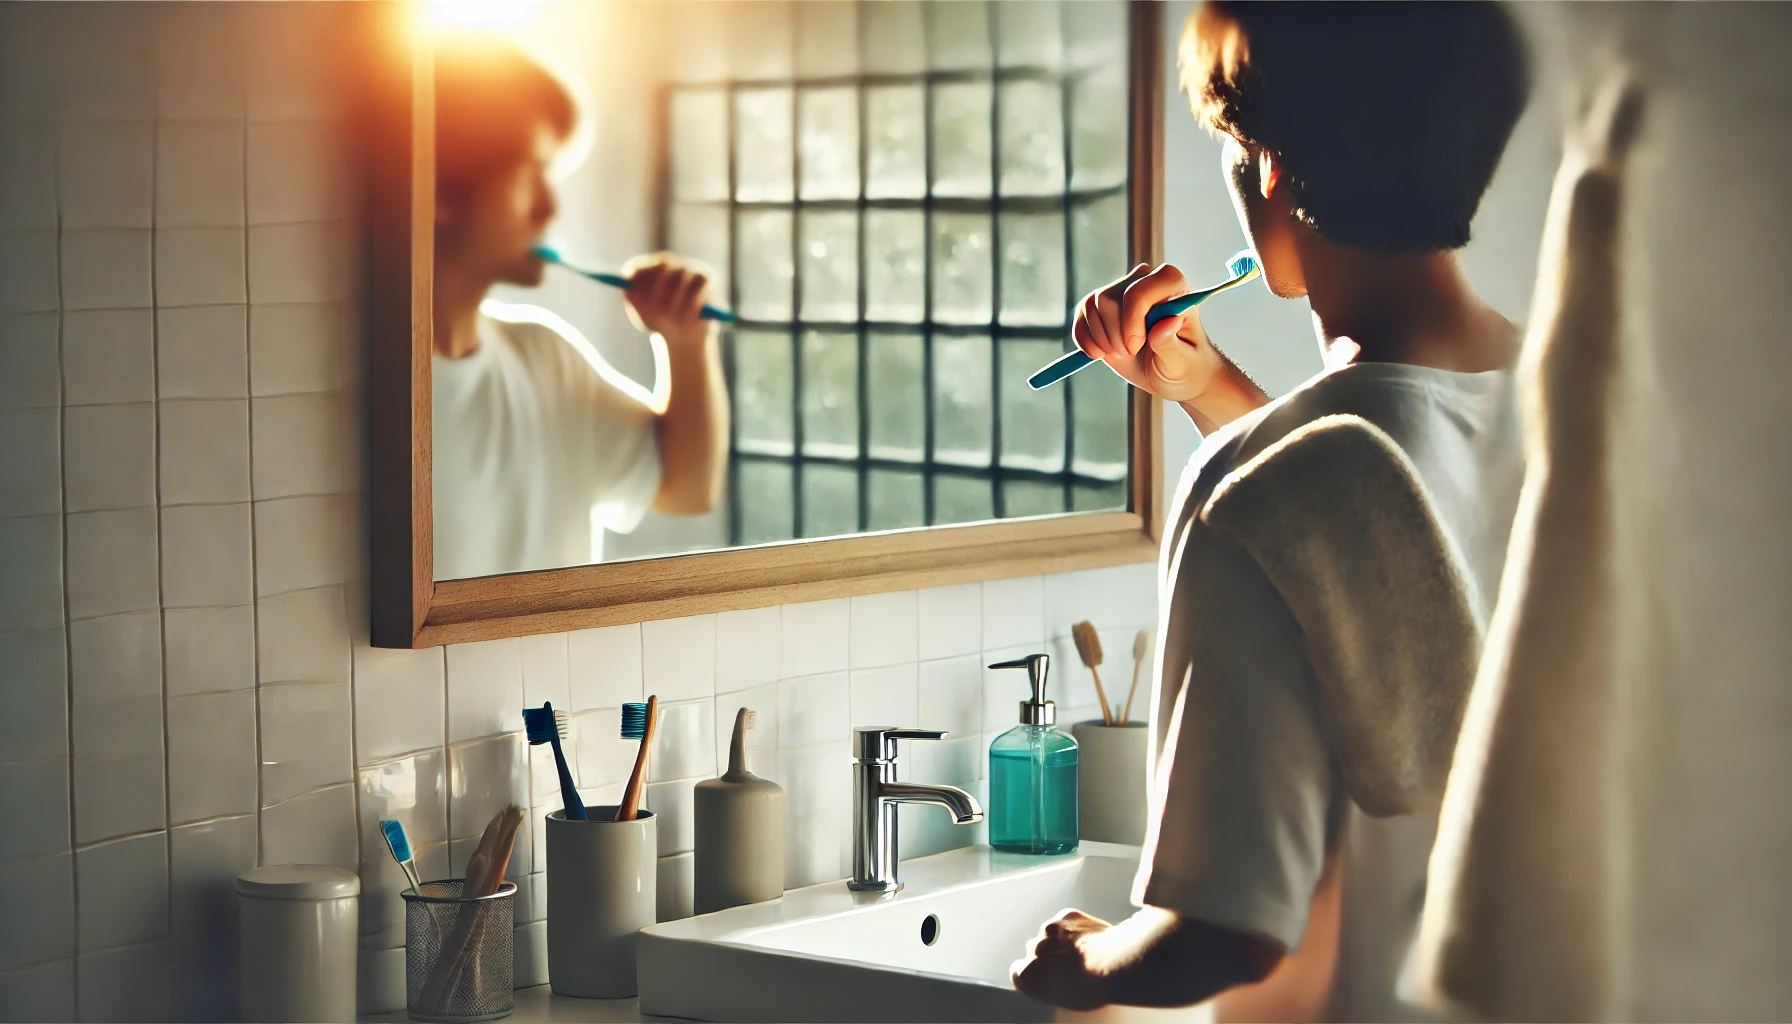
x=185, y=684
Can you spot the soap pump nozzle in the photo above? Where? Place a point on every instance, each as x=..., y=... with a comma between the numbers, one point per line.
x=744, y=719
x=1038, y=710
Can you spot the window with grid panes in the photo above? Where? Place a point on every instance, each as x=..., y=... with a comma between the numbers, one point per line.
x=904, y=245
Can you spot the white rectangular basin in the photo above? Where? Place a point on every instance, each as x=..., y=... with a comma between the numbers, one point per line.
x=826, y=953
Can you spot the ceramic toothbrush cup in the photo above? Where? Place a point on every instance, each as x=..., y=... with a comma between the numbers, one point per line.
x=601, y=891
x=1112, y=789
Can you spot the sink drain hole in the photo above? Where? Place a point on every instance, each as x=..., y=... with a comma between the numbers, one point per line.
x=930, y=930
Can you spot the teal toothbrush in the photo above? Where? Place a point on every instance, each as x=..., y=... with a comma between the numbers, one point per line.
x=548, y=254
x=1242, y=267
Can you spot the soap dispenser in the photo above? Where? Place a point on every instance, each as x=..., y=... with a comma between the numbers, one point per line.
x=1032, y=775
x=739, y=832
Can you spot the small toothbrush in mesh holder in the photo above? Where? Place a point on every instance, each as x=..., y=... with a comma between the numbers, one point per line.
x=400, y=845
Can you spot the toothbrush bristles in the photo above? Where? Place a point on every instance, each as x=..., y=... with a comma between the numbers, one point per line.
x=544, y=723
x=1242, y=263
x=634, y=720
x=396, y=839
x=750, y=720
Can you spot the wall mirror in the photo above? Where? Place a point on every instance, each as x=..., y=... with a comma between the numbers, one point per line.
x=849, y=230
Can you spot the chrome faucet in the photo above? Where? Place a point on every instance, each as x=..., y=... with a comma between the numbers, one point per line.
x=875, y=794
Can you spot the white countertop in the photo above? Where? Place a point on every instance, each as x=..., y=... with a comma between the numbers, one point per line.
x=538, y=1005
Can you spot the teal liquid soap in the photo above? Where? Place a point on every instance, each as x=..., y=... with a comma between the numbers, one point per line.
x=1032, y=791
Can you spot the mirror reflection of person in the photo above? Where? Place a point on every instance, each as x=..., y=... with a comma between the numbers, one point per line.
x=539, y=444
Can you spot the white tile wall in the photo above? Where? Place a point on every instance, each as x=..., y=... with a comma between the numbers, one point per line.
x=40, y=890
x=30, y=374
x=296, y=349
x=204, y=453
x=34, y=701
x=104, y=171
x=211, y=755
x=35, y=796
x=175, y=344
x=748, y=648
x=28, y=156
x=105, y=268
x=199, y=266
x=106, y=356
x=199, y=173
x=202, y=352
x=31, y=462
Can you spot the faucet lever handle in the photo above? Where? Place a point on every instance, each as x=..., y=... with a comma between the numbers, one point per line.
x=916, y=734
x=878, y=743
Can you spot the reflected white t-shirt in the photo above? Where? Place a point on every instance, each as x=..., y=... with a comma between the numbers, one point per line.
x=539, y=447
x=1248, y=801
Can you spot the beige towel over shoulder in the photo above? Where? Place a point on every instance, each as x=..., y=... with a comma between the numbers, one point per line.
x=1335, y=515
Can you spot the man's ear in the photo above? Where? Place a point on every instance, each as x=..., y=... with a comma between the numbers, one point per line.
x=1269, y=173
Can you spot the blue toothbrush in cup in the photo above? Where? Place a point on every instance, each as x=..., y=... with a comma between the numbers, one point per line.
x=549, y=254
x=1242, y=267
x=545, y=725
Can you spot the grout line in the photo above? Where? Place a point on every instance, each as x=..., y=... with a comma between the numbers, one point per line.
x=109, y=840
x=447, y=768
x=335, y=392
x=313, y=791
x=155, y=468
x=212, y=820
x=68, y=654
x=249, y=440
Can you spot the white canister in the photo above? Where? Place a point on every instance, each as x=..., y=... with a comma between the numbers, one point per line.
x=298, y=926
x=1112, y=788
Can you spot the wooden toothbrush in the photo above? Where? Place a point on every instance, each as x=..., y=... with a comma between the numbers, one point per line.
x=638, y=723
x=1141, y=649
x=1088, y=647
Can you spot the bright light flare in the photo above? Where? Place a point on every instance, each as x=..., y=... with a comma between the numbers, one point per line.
x=485, y=14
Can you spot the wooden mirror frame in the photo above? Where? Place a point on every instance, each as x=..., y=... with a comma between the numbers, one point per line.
x=410, y=608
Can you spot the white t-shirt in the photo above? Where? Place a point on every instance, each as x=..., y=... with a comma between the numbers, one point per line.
x=1248, y=799
x=539, y=447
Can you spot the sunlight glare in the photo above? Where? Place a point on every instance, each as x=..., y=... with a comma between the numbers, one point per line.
x=487, y=14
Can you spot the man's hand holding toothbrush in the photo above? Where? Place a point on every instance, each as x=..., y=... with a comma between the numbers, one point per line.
x=1173, y=359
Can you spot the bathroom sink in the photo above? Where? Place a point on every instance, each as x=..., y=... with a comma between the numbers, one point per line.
x=938, y=950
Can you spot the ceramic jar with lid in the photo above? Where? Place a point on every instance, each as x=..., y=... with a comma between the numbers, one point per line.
x=298, y=926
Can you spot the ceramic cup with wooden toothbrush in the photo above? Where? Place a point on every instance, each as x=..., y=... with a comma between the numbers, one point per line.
x=1113, y=770
x=603, y=881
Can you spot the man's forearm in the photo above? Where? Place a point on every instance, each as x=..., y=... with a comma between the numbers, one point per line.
x=1156, y=958
x=694, y=427
x=1229, y=395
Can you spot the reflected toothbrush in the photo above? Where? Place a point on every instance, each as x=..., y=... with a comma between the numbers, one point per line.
x=545, y=725
x=549, y=254
x=1242, y=267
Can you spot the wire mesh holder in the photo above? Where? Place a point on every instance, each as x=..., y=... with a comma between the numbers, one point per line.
x=459, y=953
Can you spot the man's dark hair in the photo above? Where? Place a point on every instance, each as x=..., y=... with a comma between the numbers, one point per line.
x=490, y=94
x=1389, y=118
